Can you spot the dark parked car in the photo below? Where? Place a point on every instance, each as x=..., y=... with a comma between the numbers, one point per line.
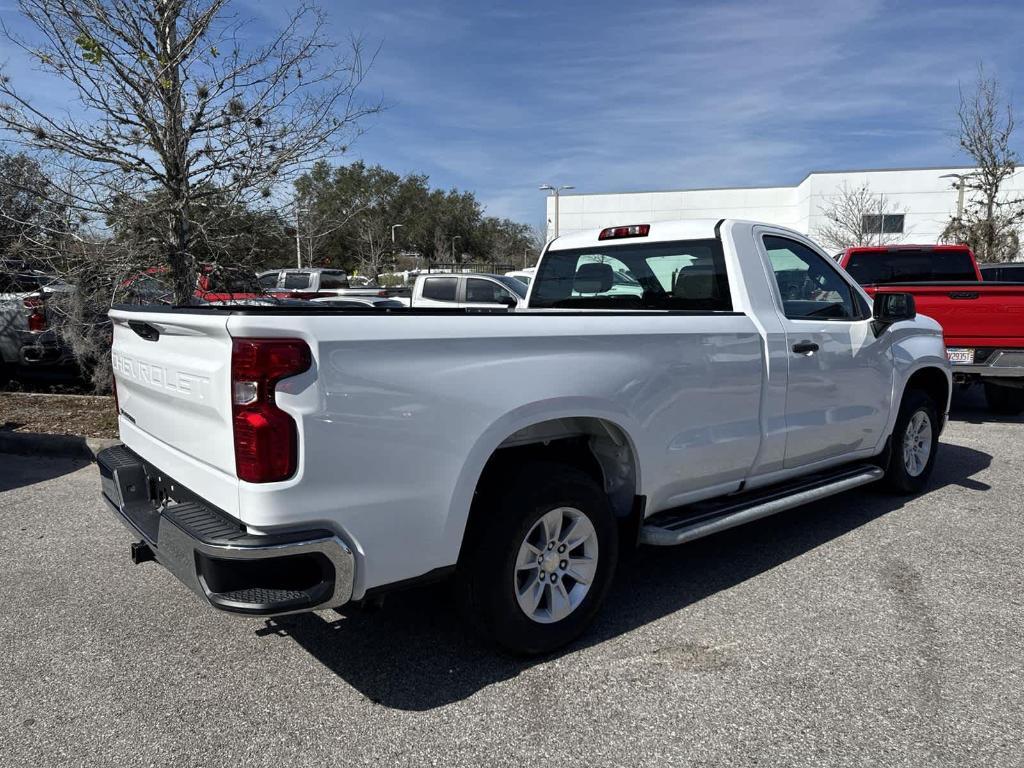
x=28, y=342
x=1002, y=273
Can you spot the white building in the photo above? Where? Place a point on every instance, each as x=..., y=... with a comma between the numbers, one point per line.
x=927, y=199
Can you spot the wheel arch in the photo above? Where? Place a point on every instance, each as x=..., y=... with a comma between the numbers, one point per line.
x=596, y=440
x=935, y=382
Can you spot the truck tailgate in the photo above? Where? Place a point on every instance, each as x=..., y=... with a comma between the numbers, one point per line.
x=971, y=314
x=173, y=377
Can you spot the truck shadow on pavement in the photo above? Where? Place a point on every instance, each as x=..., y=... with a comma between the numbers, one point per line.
x=19, y=471
x=416, y=654
x=969, y=406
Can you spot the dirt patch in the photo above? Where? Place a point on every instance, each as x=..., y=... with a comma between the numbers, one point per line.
x=88, y=416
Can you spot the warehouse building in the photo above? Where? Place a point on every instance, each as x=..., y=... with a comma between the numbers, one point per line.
x=922, y=199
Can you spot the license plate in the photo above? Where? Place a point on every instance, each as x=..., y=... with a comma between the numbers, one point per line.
x=961, y=356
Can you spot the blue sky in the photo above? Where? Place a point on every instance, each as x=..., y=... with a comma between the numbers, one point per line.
x=615, y=96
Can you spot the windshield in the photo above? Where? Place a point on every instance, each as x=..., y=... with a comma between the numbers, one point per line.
x=682, y=275
x=518, y=287
x=911, y=265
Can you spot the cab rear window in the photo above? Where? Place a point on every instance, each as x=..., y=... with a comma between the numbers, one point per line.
x=682, y=275
x=921, y=265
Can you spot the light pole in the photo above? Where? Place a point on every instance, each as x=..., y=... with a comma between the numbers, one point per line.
x=457, y=237
x=881, y=220
x=393, y=228
x=959, y=184
x=298, y=237
x=555, y=190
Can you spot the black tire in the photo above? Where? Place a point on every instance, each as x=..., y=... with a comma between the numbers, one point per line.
x=503, y=516
x=898, y=475
x=1007, y=401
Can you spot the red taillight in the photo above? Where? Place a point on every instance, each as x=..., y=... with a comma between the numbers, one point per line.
x=633, y=230
x=266, y=440
x=36, y=314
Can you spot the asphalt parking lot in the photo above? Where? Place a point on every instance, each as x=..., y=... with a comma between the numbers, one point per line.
x=863, y=630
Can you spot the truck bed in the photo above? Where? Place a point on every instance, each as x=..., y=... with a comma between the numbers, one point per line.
x=972, y=314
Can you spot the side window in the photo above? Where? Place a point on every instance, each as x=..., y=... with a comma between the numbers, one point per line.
x=333, y=280
x=440, y=288
x=484, y=292
x=296, y=280
x=268, y=282
x=147, y=289
x=811, y=289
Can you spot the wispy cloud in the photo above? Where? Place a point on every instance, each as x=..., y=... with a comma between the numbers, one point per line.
x=609, y=96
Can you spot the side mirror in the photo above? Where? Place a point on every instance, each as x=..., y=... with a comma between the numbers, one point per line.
x=891, y=308
x=509, y=302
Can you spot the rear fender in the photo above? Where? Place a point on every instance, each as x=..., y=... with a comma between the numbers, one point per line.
x=516, y=421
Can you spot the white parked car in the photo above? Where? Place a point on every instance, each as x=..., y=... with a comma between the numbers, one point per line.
x=359, y=302
x=304, y=283
x=523, y=275
x=467, y=291
x=278, y=460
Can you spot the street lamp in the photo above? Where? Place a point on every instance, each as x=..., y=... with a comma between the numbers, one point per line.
x=457, y=237
x=555, y=191
x=393, y=228
x=298, y=237
x=959, y=185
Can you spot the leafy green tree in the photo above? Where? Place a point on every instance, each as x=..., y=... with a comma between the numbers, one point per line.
x=230, y=234
x=32, y=215
x=350, y=212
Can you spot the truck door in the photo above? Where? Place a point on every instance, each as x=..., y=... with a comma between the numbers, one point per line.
x=840, y=375
x=484, y=293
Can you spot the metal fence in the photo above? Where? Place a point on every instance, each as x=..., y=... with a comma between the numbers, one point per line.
x=491, y=267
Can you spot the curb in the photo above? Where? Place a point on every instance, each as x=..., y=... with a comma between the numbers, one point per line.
x=64, y=446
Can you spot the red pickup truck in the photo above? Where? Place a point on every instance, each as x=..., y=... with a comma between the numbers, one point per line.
x=982, y=321
x=154, y=287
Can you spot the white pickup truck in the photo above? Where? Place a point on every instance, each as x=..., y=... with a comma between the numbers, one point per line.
x=657, y=388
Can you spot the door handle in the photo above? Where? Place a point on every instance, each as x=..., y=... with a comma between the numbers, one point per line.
x=805, y=347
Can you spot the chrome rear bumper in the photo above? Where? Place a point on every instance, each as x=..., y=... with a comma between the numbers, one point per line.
x=1000, y=363
x=215, y=556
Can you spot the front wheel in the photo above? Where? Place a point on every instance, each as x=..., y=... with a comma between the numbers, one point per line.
x=915, y=442
x=541, y=559
x=1008, y=401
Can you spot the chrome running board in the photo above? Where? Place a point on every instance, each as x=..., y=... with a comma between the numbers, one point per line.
x=678, y=526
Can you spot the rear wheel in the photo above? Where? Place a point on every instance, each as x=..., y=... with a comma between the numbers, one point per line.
x=915, y=441
x=541, y=559
x=1008, y=401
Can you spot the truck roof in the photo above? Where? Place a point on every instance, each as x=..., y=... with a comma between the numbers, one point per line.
x=906, y=247
x=660, y=232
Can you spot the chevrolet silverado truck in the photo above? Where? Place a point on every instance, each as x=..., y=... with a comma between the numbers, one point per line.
x=286, y=459
x=982, y=320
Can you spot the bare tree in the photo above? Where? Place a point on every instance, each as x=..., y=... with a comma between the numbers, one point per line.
x=991, y=221
x=174, y=112
x=858, y=216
